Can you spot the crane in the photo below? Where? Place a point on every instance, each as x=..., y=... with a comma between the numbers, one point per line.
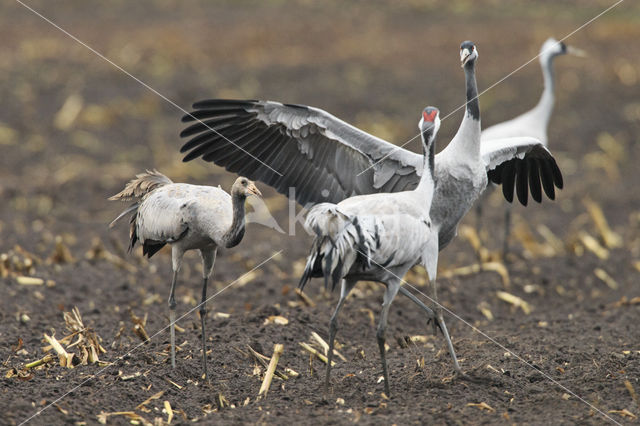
x=377, y=237
x=188, y=217
x=534, y=122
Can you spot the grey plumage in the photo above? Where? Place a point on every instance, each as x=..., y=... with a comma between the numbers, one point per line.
x=377, y=237
x=328, y=160
x=189, y=217
x=331, y=160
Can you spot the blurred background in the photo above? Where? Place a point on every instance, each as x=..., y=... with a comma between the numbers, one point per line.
x=74, y=129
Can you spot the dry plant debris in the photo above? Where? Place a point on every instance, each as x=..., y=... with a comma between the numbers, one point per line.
x=482, y=406
x=497, y=267
x=273, y=363
x=276, y=319
x=139, y=325
x=87, y=344
x=315, y=352
x=325, y=346
x=606, y=278
x=610, y=238
x=263, y=360
x=516, y=301
x=99, y=252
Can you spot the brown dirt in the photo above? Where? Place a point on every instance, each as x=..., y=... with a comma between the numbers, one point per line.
x=377, y=67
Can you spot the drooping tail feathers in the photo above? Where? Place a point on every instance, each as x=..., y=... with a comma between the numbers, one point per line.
x=340, y=240
x=136, y=189
x=143, y=184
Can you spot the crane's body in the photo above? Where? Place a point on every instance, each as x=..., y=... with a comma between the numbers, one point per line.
x=189, y=217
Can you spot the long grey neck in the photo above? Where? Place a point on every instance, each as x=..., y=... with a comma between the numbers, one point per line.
x=234, y=235
x=545, y=105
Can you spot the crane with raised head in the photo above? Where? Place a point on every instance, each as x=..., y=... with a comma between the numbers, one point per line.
x=377, y=237
x=533, y=123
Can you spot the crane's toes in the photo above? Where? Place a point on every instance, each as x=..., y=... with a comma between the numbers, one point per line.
x=459, y=374
x=436, y=325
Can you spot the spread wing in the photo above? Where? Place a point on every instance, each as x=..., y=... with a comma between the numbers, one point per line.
x=524, y=163
x=294, y=146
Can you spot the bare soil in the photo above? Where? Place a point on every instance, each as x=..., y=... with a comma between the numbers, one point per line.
x=73, y=130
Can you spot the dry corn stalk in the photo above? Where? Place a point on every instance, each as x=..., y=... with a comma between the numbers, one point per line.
x=497, y=267
x=268, y=376
x=316, y=353
x=471, y=235
x=610, y=238
x=593, y=245
x=66, y=358
x=523, y=233
x=606, y=278
x=87, y=341
x=305, y=299
x=325, y=346
x=516, y=301
x=482, y=406
x=169, y=411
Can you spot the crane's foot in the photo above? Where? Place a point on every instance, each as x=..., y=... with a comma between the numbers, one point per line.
x=436, y=326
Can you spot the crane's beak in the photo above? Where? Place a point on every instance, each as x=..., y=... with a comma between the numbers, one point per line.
x=576, y=52
x=254, y=190
x=464, y=56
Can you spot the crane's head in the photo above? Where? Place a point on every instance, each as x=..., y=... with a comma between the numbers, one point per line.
x=429, y=125
x=468, y=52
x=244, y=187
x=552, y=48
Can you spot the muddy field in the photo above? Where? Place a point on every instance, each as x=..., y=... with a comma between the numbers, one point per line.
x=74, y=129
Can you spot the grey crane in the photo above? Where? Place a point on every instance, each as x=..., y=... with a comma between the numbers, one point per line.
x=188, y=217
x=377, y=237
x=534, y=122
x=327, y=160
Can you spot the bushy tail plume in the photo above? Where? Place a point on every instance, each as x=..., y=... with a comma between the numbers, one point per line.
x=136, y=189
x=142, y=185
x=339, y=241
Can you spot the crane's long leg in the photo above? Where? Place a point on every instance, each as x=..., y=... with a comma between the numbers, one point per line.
x=430, y=314
x=507, y=232
x=443, y=327
x=345, y=289
x=389, y=295
x=430, y=259
x=172, y=318
x=208, y=259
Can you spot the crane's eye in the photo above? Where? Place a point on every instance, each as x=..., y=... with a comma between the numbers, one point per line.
x=244, y=182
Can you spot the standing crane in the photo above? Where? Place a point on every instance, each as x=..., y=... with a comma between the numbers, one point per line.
x=532, y=123
x=377, y=237
x=188, y=217
x=328, y=160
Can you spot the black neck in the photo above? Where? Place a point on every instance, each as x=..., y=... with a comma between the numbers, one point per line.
x=429, y=151
x=473, y=106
